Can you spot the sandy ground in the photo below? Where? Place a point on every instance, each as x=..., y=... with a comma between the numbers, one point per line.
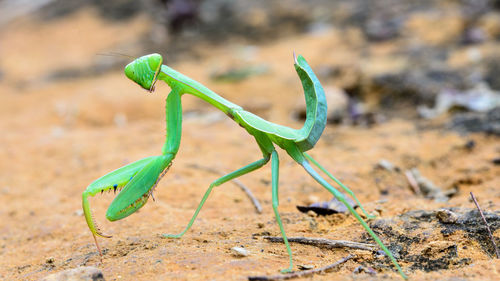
x=58, y=135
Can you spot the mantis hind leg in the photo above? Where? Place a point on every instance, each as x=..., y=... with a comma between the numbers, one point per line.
x=341, y=198
x=275, y=177
x=345, y=188
x=242, y=171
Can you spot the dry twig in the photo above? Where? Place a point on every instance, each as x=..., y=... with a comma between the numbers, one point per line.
x=413, y=182
x=301, y=273
x=325, y=243
x=245, y=189
x=487, y=226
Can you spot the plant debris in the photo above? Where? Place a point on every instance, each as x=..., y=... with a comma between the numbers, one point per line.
x=333, y=206
x=487, y=226
x=426, y=187
x=479, y=99
x=299, y=274
x=324, y=243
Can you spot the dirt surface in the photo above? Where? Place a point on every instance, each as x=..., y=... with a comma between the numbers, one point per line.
x=61, y=132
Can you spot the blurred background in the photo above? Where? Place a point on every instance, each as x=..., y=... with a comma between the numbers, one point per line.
x=417, y=58
x=409, y=84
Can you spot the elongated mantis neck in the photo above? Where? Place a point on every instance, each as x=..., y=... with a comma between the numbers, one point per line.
x=173, y=109
x=175, y=80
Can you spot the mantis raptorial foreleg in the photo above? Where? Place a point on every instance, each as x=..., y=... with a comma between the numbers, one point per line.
x=275, y=184
x=240, y=172
x=134, y=176
x=345, y=188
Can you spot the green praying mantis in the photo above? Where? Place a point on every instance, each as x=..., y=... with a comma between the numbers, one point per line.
x=138, y=180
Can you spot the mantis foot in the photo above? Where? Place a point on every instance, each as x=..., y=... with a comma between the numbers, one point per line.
x=370, y=217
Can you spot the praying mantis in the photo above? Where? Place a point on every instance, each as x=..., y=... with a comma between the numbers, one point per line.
x=138, y=180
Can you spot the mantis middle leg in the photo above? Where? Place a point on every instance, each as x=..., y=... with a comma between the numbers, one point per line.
x=274, y=181
x=242, y=171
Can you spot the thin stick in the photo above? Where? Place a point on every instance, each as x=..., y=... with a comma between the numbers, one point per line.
x=245, y=189
x=487, y=226
x=325, y=243
x=301, y=273
x=413, y=182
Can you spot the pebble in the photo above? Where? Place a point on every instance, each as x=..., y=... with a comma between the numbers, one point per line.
x=239, y=252
x=446, y=216
x=361, y=269
x=84, y=273
x=386, y=165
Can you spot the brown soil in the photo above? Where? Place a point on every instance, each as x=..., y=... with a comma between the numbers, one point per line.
x=59, y=135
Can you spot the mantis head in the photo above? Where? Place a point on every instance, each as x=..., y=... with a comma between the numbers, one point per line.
x=144, y=70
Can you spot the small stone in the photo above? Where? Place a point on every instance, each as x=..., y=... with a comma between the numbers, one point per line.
x=120, y=120
x=446, y=216
x=380, y=255
x=84, y=273
x=311, y=213
x=386, y=165
x=239, y=252
x=361, y=269
x=470, y=144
